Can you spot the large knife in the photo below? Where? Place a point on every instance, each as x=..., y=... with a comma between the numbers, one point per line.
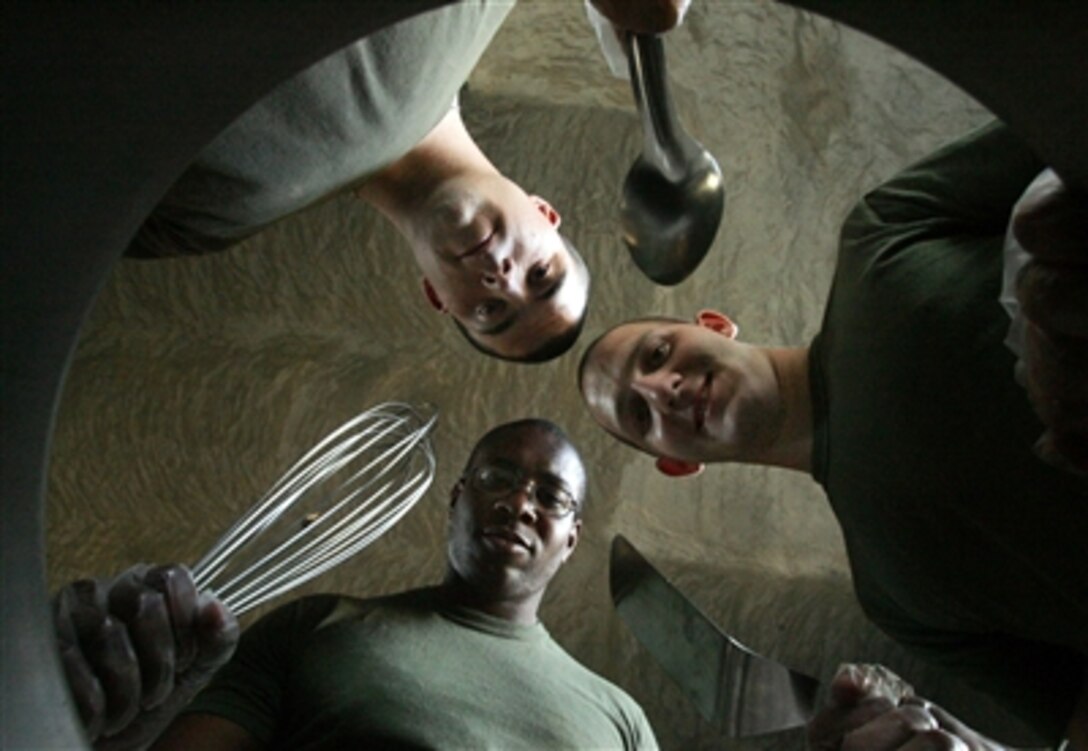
x=738, y=691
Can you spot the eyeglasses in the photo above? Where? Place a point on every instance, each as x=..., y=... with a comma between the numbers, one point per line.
x=549, y=498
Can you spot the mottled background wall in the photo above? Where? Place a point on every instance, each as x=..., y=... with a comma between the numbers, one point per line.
x=199, y=380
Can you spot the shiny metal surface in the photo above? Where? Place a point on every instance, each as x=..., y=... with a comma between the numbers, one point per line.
x=140, y=121
x=673, y=195
x=738, y=691
x=811, y=114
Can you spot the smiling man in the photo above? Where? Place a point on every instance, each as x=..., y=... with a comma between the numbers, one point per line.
x=963, y=544
x=464, y=664
x=690, y=394
x=375, y=119
x=491, y=255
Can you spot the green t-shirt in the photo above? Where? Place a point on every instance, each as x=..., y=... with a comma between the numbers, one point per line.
x=962, y=544
x=408, y=672
x=324, y=130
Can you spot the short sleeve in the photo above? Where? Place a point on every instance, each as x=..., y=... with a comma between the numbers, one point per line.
x=249, y=690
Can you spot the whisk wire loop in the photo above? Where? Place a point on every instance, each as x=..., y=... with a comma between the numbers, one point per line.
x=357, y=482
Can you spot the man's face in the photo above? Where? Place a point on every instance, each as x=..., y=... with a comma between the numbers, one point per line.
x=502, y=543
x=681, y=390
x=495, y=261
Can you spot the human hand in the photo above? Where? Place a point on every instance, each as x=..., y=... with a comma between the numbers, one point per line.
x=136, y=650
x=643, y=16
x=871, y=709
x=858, y=694
x=1051, y=224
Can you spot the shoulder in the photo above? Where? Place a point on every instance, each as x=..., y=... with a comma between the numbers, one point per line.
x=303, y=612
x=596, y=684
x=621, y=707
x=338, y=609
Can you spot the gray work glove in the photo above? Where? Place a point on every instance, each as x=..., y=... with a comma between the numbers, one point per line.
x=136, y=649
x=871, y=709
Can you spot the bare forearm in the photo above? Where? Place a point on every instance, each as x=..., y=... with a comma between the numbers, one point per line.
x=136, y=649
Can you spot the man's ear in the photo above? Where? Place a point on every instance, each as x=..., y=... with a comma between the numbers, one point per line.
x=572, y=539
x=432, y=297
x=678, y=467
x=546, y=209
x=455, y=493
x=717, y=321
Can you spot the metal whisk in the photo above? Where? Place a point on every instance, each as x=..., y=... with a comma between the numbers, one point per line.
x=342, y=495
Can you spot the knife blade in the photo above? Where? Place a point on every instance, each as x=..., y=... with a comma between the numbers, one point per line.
x=738, y=691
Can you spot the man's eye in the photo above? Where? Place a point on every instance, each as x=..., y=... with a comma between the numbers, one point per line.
x=488, y=309
x=538, y=274
x=550, y=498
x=658, y=356
x=493, y=478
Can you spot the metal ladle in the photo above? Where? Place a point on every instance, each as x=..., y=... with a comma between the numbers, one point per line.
x=673, y=195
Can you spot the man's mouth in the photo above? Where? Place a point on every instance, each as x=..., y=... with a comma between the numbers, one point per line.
x=699, y=405
x=506, y=538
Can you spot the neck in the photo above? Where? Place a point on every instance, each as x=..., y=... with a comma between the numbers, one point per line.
x=521, y=610
x=401, y=190
x=792, y=444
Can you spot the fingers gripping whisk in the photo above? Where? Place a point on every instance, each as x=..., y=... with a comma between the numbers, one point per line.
x=344, y=493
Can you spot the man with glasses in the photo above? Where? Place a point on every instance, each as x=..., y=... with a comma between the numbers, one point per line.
x=464, y=664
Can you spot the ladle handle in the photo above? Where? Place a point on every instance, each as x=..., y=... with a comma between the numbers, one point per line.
x=665, y=143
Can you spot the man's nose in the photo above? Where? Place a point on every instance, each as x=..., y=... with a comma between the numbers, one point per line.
x=520, y=502
x=497, y=272
x=661, y=388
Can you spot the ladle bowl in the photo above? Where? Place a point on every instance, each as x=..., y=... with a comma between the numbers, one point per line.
x=673, y=197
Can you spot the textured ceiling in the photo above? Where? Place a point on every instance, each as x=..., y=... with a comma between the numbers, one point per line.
x=199, y=380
